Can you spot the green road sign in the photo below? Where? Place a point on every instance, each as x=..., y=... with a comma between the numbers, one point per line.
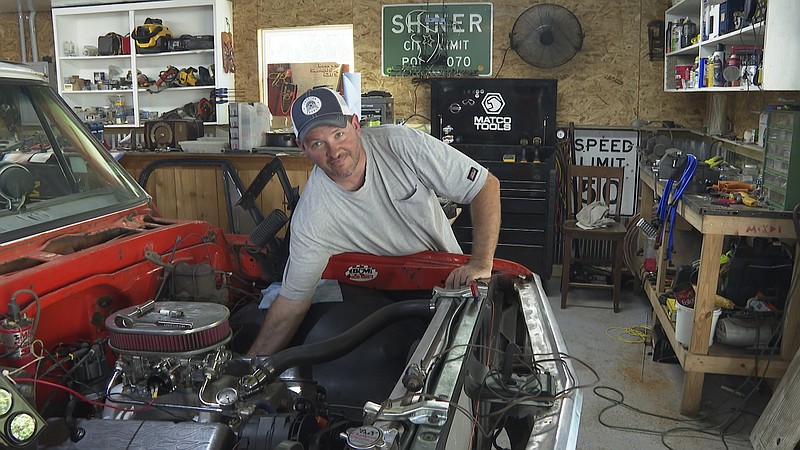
x=444, y=39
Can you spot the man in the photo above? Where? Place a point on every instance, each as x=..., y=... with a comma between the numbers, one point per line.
x=374, y=191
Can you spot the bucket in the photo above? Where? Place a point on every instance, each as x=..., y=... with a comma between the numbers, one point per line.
x=684, y=321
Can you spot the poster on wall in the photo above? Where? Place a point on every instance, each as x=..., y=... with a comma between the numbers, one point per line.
x=611, y=148
x=287, y=81
x=441, y=39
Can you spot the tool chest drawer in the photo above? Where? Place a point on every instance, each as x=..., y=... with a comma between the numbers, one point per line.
x=508, y=235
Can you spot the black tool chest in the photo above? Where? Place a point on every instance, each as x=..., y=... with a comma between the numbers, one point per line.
x=527, y=198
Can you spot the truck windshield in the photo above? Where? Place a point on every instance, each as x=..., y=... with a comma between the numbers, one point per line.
x=53, y=172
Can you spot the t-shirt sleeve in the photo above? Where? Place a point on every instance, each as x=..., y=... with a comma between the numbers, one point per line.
x=307, y=261
x=442, y=168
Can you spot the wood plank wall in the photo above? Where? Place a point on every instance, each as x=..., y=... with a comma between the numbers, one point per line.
x=198, y=193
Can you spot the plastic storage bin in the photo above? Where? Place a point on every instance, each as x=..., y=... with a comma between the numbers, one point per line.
x=249, y=125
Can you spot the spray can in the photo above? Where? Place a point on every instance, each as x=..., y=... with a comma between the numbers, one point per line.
x=719, y=64
x=733, y=61
x=688, y=32
x=676, y=36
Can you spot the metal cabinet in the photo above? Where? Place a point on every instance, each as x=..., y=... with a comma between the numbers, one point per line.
x=782, y=159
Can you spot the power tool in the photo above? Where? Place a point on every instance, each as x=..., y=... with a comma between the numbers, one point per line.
x=165, y=78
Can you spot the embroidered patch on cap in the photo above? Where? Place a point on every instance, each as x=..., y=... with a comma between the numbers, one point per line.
x=311, y=105
x=473, y=173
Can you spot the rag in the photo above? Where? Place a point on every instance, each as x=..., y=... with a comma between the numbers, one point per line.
x=594, y=215
x=327, y=291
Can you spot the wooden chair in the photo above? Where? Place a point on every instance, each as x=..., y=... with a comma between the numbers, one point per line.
x=586, y=184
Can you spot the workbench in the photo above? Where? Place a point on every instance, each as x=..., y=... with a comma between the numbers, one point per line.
x=714, y=223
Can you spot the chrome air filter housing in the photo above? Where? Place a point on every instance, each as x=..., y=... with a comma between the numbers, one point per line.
x=169, y=328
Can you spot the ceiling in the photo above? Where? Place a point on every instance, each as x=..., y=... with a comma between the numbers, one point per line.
x=8, y=6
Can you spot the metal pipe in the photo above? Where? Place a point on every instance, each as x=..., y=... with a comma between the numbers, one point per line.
x=32, y=28
x=20, y=19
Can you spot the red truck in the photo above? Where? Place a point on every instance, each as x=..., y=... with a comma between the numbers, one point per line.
x=123, y=329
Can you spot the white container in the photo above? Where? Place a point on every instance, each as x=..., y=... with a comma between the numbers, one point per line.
x=684, y=320
x=204, y=145
x=254, y=123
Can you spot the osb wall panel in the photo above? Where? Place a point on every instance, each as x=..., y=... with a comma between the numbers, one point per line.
x=251, y=15
x=609, y=82
x=745, y=107
x=9, y=36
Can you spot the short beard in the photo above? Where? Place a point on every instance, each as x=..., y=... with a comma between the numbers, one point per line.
x=342, y=176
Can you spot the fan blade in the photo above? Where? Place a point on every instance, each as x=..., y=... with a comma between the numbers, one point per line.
x=521, y=40
x=546, y=35
x=567, y=35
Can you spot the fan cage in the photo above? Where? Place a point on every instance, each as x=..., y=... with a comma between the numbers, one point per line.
x=546, y=35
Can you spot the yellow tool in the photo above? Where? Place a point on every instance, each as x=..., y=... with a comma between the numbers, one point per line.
x=743, y=198
x=723, y=302
x=714, y=161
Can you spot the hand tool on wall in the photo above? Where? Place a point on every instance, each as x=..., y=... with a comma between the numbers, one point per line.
x=223, y=95
x=714, y=161
x=228, y=62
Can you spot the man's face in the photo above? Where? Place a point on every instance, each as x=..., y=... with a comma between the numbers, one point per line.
x=338, y=151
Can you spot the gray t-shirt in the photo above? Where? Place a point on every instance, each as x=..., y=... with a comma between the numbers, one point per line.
x=395, y=212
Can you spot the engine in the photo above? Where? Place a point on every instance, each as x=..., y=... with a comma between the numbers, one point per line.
x=173, y=365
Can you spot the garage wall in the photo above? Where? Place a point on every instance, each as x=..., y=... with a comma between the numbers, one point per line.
x=610, y=82
x=9, y=36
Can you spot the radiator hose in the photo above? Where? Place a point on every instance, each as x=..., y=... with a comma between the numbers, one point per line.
x=336, y=347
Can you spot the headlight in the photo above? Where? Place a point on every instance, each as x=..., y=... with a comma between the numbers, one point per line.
x=20, y=424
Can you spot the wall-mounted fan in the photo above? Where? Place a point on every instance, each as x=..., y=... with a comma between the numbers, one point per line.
x=546, y=35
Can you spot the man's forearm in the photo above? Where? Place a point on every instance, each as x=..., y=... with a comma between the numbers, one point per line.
x=485, y=214
x=280, y=324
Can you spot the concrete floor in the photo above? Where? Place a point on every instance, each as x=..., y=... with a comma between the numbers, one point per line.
x=646, y=385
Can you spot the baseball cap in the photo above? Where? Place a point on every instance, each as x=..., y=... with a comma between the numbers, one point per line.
x=318, y=106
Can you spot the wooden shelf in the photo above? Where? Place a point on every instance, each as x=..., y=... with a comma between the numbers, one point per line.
x=721, y=358
x=79, y=25
x=714, y=224
x=776, y=35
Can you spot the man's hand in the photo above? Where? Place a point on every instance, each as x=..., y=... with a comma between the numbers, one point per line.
x=462, y=276
x=280, y=324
